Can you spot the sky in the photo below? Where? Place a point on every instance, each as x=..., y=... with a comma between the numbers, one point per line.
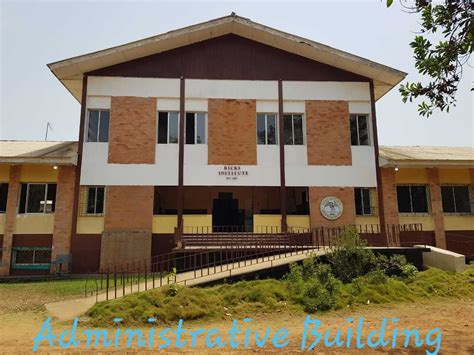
x=34, y=34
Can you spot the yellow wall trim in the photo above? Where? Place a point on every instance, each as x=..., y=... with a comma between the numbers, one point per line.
x=298, y=222
x=38, y=173
x=427, y=222
x=366, y=220
x=164, y=223
x=41, y=223
x=4, y=173
x=266, y=223
x=90, y=225
x=2, y=223
x=461, y=222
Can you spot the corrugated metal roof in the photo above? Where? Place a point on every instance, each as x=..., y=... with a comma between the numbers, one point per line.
x=424, y=155
x=38, y=152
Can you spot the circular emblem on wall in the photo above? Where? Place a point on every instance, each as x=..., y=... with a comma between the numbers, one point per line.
x=331, y=207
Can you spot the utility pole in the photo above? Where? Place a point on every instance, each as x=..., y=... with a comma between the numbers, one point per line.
x=48, y=127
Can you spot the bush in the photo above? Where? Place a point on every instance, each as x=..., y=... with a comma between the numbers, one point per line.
x=396, y=266
x=313, y=285
x=350, y=258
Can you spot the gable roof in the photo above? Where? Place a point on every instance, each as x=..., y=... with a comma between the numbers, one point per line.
x=425, y=156
x=38, y=152
x=70, y=71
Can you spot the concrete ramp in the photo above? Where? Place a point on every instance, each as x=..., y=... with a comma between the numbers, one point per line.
x=69, y=309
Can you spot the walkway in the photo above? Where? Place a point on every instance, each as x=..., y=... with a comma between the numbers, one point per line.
x=69, y=309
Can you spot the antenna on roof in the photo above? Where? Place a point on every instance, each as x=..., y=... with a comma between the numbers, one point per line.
x=48, y=127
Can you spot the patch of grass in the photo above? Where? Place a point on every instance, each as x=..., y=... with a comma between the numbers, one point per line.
x=27, y=296
x=247, y=298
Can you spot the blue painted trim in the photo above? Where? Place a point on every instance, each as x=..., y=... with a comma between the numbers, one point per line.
x=31, y=266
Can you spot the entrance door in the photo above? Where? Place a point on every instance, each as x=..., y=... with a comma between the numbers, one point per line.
x=225, y=212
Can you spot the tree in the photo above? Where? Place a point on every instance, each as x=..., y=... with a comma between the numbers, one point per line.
x=441, y=62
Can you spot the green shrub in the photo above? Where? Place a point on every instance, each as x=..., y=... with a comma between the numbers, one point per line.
x=313, y=285
x=350, y=258
x=396, y=265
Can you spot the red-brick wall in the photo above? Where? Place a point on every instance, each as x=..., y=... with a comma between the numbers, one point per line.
x=436, y=207
x=129, y=208
x=132, y=132
x=328, y=133
x=389, y=191
x=345, y=194
x=232, y=131
x=63, y=211
x=10, y=215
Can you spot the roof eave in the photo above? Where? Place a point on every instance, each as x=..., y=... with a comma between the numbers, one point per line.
x=387, y=163
x=387, y=77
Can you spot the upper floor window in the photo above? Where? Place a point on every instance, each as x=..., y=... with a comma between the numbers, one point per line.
x=195, y=128
x=363, y=199
x=359, y=130
x=168, y=127
x=293, y=125
x=412, y=199
x=93, y=200
x=266, y=128
x=456, y=199
x=3, y=197
x=98, y=127
x=37, y=198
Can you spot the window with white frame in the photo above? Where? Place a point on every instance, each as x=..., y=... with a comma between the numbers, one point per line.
x=293, y=124
x=37, y=198
x=94, y=198
x=267, y=128
x=359, y=129
x=363, y=201
x=412, y=199
x=456, y=199
x=98, y=126
x=195, y=128
x=168, y=127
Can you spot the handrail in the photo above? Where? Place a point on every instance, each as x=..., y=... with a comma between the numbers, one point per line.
x=248, y=244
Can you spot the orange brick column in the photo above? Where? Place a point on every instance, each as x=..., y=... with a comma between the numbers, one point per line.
x=345, y=194
x=10, y=215
x=437, y=207
x=63, y=211
x=389, y=192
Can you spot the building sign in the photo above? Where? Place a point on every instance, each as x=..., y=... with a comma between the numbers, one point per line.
x=331, y=207
x=232, y=172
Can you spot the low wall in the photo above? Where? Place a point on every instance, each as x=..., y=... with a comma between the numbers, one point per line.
x=443, y=259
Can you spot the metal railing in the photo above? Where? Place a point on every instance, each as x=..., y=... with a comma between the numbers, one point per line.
x=205, y=253
x=114, y=282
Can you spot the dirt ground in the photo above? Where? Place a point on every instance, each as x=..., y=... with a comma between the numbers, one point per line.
x=453, y=317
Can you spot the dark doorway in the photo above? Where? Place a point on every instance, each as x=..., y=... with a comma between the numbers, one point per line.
x=226, y=213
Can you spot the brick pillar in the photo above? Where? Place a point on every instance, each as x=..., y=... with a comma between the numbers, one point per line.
x=389, y=192
x=437, y=207
x=10, y=215
x=63, y=211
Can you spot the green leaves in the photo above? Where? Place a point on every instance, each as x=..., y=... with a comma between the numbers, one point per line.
x=442, y=62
